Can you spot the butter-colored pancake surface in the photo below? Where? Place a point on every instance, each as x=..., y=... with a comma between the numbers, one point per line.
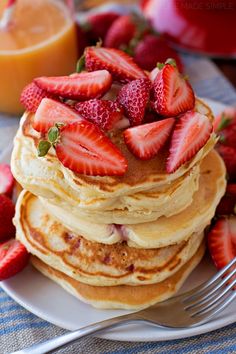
x=92, y=262
x=122, y=296
x=161, y=232
x=48, y=178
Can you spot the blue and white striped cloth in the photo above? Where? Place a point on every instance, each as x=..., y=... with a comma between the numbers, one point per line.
x=19, y=328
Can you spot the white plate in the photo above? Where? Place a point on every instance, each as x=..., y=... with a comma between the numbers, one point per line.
x=49, y=301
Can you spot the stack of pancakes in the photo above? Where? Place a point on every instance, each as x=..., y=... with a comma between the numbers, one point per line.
x=116, y=242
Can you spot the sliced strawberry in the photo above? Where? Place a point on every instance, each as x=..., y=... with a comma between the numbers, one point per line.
x=50, y=112
x=171, y=94
x=6, y=180
x=104, y=113
x=146, y=140
x=222, y=241
x=84, y=149
x=81, y=86
x=121, y=32
x=225, y=126
x=190, y=134
x=133, y=97
x=121, y=66
x=7, y=212
x=224, y=119
x=228, y=154
x=153, y=74
x=13, y=258
x=31, y=97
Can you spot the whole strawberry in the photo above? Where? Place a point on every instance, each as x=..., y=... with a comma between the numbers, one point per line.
x=133, y=97
x=103, y=113
x=32, y=96
x=228, y=154
x=7, y=212
x=98, y=25
x=228, y=202
x=153, y=49
x=121, y=32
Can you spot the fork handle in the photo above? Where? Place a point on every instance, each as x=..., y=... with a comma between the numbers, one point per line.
x=61, y=341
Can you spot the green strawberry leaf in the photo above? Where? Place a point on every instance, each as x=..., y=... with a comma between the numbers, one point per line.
x=224, y=122
x=53, y=134
x=80, y=64
x=43, y=148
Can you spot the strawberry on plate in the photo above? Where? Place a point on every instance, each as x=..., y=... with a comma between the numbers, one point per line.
x=6, y=180
x=225, y=127
x=121, y=32
x=146, y=140
x=171, y=94
x=7, y=212
x=191, y=133
x=13, y=258
x=121, y=66
x=31, y=97
x=133, y=97
x=84, y=148
x=153, y=49
x=104, y=113
x=50, y=112
x=228, y=202
x=222, y=241
x=82, y=86
x=228, y=154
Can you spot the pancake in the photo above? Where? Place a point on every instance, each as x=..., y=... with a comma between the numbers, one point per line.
x=122, y=296
x=48, y=178
x=92, y=262
x=158, y=233
x=141, y=207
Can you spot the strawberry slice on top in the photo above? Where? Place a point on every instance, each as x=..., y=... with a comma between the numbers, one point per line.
x=222, y=241
x=133, y=97
x=82, y=86
x=32, y=96
x=146, y=140
x=85, y=149
x=171, y=93
x=121, y=66
x=104, y=113
x=191, y=133
x=50, y=112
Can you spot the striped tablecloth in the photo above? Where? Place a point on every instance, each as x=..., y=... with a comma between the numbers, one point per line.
x=19, y=328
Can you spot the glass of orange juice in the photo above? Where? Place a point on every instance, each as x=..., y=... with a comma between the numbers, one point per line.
x=40, y=40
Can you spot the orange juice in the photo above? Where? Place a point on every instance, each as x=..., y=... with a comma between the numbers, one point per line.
x=40, y=41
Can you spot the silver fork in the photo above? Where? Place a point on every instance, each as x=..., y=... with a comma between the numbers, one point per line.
x=190, y=309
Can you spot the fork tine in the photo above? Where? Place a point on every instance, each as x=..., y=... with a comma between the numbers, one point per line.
x=221, y=306
x=201, y=289
x=202, y=308
x=200, y=301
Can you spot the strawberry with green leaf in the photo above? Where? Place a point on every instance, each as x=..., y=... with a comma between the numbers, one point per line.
x=171, y=93
x=85, y=149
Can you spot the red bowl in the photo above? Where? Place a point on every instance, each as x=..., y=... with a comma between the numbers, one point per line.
x=201, y=26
